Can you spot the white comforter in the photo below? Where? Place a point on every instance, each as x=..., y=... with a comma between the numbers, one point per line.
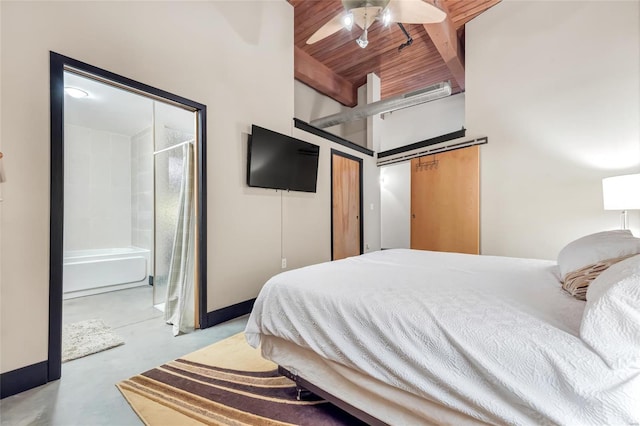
x=493, y=337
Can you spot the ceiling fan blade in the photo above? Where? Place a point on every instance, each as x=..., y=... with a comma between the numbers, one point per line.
x=331, y=27
x=415, y=12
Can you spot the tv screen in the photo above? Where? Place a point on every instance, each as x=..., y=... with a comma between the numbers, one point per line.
x=281, y=162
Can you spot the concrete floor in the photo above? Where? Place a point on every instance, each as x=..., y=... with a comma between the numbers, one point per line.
x=86, y=395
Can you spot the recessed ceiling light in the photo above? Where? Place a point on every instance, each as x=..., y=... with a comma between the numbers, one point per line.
x=75, y=92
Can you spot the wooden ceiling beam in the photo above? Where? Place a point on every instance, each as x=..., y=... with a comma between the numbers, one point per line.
x=463, y=12
x=444, y=37
x=314, y=73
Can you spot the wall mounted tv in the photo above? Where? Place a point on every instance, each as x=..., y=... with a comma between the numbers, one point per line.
x=281, y=162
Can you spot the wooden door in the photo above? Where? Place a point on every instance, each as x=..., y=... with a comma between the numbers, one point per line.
x=445, y=210
x=346, y=205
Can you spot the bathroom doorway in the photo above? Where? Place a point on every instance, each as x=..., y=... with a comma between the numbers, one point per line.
x=127, y=202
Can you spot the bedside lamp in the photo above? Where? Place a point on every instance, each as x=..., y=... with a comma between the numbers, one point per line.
x=622, y=193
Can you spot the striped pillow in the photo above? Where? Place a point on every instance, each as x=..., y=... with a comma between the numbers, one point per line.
x=595, y=248
x=577, y=282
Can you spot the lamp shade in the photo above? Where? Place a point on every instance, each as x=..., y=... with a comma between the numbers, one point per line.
x=621, y=192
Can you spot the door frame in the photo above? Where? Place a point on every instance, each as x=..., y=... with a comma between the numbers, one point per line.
x=58, y=64
x=361, y=210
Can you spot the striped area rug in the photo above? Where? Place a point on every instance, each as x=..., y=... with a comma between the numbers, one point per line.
x=201, y=388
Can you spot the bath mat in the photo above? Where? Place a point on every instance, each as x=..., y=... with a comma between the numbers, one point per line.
x=87, y=337
x=227, y=383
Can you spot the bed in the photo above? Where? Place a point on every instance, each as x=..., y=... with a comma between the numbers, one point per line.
x=417, y=337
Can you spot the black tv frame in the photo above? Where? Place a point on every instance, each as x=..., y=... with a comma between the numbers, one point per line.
x=283, y=138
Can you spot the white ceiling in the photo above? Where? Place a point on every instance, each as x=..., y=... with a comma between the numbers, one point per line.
x=106, y=108
x=119, y=111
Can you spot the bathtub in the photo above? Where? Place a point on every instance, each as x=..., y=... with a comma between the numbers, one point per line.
x=86, y=272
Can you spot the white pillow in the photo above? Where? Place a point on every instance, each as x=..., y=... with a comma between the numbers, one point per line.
x=594, y=248
x=611, y=319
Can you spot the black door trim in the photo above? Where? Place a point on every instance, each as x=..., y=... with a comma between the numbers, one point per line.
x=427, y=142
x=302, y=125
x=359, y=160
x=58, y=64
x=22, y=379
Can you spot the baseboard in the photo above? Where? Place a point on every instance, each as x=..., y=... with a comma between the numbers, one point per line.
x=22, y=379
x=230, y=312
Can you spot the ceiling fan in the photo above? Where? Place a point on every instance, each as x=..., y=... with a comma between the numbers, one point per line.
x=363, y=13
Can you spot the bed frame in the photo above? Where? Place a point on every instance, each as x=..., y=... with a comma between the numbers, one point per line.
x=303, y=385
x=365, y=398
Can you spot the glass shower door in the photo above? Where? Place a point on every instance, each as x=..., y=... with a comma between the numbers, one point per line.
x=173, y=130
x=168, y=181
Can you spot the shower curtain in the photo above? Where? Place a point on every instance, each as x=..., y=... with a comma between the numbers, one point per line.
x=179, y=305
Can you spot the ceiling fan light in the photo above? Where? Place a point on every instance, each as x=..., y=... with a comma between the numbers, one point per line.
x=386, y=17
x=363, y=40
x=347, y=21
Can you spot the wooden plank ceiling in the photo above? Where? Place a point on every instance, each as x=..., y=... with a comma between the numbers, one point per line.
x=337, y=66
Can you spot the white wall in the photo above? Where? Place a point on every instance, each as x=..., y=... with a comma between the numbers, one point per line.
x=307, y=217
x=555, y=87
x=311, y=105
x=421, y=122
x=356, y=131
x=97, y=189
x=399, y=128
x=395, y=205
x=142, y=198
x=235, y=57
x=404, y=127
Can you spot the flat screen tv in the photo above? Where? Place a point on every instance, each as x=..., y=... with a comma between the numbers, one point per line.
x=281, y=162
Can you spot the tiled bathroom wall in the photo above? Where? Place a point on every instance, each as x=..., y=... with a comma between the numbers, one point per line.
x=97, y=189
x=142, y=191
